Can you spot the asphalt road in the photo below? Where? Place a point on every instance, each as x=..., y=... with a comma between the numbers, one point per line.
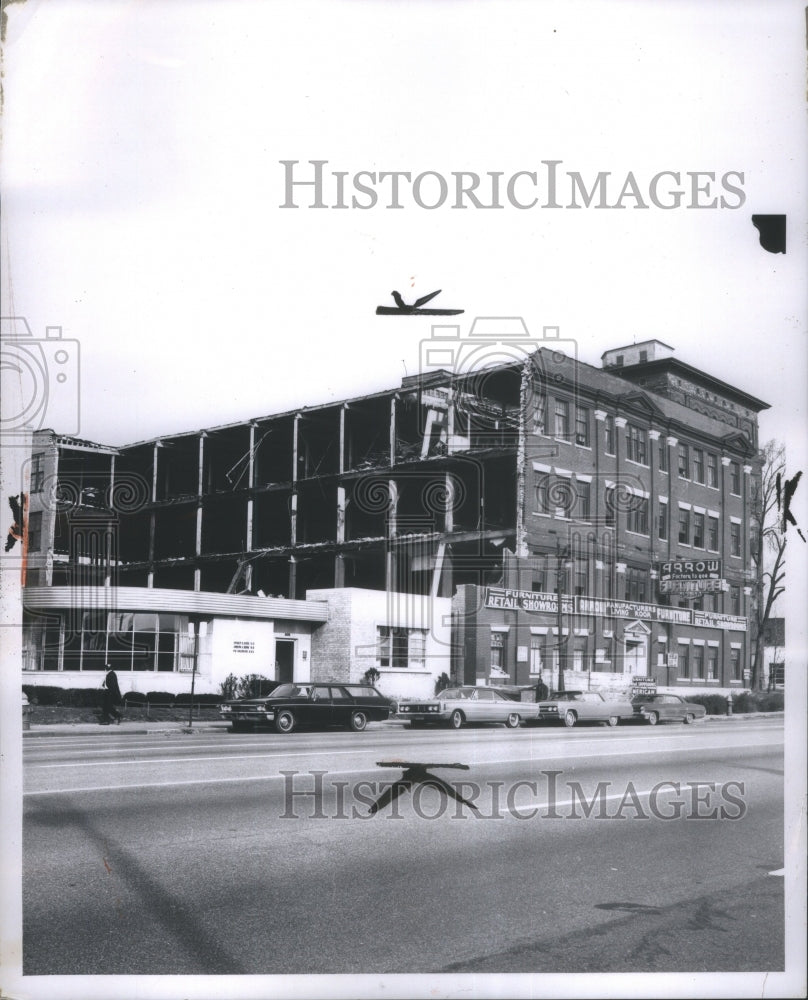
x=592, y=849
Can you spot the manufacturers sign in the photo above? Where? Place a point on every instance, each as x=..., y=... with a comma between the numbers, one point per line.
x=535, y=602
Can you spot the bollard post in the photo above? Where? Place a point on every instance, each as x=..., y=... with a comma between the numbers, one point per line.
x=729, y=703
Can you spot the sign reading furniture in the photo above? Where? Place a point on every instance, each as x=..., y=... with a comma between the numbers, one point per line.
x=533, y=602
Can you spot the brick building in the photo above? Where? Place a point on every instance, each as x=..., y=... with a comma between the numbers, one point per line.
x=498, y=472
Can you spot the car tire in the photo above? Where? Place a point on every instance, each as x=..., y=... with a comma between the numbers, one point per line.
x=284, y=721
x=456, y=719
x=570, y=718
x=612, y=721
x=513, y=720
x=688, y=718
x=653, y=718
x=359, y=722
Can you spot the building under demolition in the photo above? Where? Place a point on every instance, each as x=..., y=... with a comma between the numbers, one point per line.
x=514, y=510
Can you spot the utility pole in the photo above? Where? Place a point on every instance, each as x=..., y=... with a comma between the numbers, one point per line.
x=562, y=554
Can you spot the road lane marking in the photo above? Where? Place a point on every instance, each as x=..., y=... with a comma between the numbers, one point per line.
x=364, y=770
x=554, y=752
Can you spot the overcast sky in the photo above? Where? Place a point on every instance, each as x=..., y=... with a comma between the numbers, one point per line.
x=142, y=191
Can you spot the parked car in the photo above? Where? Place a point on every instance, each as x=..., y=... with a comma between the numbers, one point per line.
x=459, y=705
x=571, y=707
x=654, y=708
x=315, y=705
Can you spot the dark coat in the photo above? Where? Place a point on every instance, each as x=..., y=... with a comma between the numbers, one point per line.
x=111, y=684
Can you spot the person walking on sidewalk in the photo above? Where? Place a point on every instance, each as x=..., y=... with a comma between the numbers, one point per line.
x=112, y=698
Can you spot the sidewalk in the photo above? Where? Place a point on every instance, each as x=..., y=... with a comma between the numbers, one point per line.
x=142, y=728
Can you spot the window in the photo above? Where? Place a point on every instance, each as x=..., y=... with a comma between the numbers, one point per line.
x=562, y=496
x=735, y=478
x=684, y=461
x=662, y=453
x=662, y=523
x=608, y=428
x=583, y=506
x=562, y=418
x=697, y=664
x=734, y=539
x=684, y=526
x=637, y=516
x=582, y=426
x=734, y=600
x=643, y=356
x=712, y=663
x=619, y=361
x=542, y=494
x=35, y=531
x=636, y=584
x=698, y=465
x=698, y=530
x=37, y=472
x=637, y=444
x=536, y=661
x=540, y=574
x=712, y=533
x=735, y=663
x=417, y=648
x=610, y=507
x=684, y=659
x=540, y=415
x=398, y=647
x=581, y=585
x=712, y=470
x=498, y=650
x=393, y=647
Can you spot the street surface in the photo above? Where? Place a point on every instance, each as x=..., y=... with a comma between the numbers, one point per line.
x=195, y=854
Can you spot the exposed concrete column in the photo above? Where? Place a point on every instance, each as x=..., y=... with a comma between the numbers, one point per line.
x=152, y=516
x=200, y=484
x=248, y=571
x=390, y=567
x=341, y=467
x=393, y=401
x=293, y=498
x=109, y=570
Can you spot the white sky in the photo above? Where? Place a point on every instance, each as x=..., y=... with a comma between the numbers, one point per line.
x=142, y=191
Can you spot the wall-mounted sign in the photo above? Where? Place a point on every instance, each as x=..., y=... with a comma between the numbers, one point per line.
x=243, y=646
x=526, y=600
x=689, y=570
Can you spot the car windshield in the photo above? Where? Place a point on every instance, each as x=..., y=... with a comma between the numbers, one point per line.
x=289, y=691
x=568, y=696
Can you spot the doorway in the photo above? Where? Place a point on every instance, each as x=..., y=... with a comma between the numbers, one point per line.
x=284, y=660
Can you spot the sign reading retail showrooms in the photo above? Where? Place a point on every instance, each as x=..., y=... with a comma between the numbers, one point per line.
x=526, y=600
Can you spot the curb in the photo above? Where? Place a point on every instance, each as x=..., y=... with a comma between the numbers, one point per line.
x=78, y=729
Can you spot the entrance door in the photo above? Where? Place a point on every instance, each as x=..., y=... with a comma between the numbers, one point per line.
x=636, y=659
x=284, y=660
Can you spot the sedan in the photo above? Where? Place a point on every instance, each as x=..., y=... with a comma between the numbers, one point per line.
x=457, y=706
x=656, y=708
x=291, y=706
x=571, y=707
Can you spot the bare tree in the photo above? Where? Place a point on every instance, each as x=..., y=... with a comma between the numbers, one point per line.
x=768, y=545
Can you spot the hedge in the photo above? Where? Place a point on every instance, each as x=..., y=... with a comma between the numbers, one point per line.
x=716, y=704
x=758, y=701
